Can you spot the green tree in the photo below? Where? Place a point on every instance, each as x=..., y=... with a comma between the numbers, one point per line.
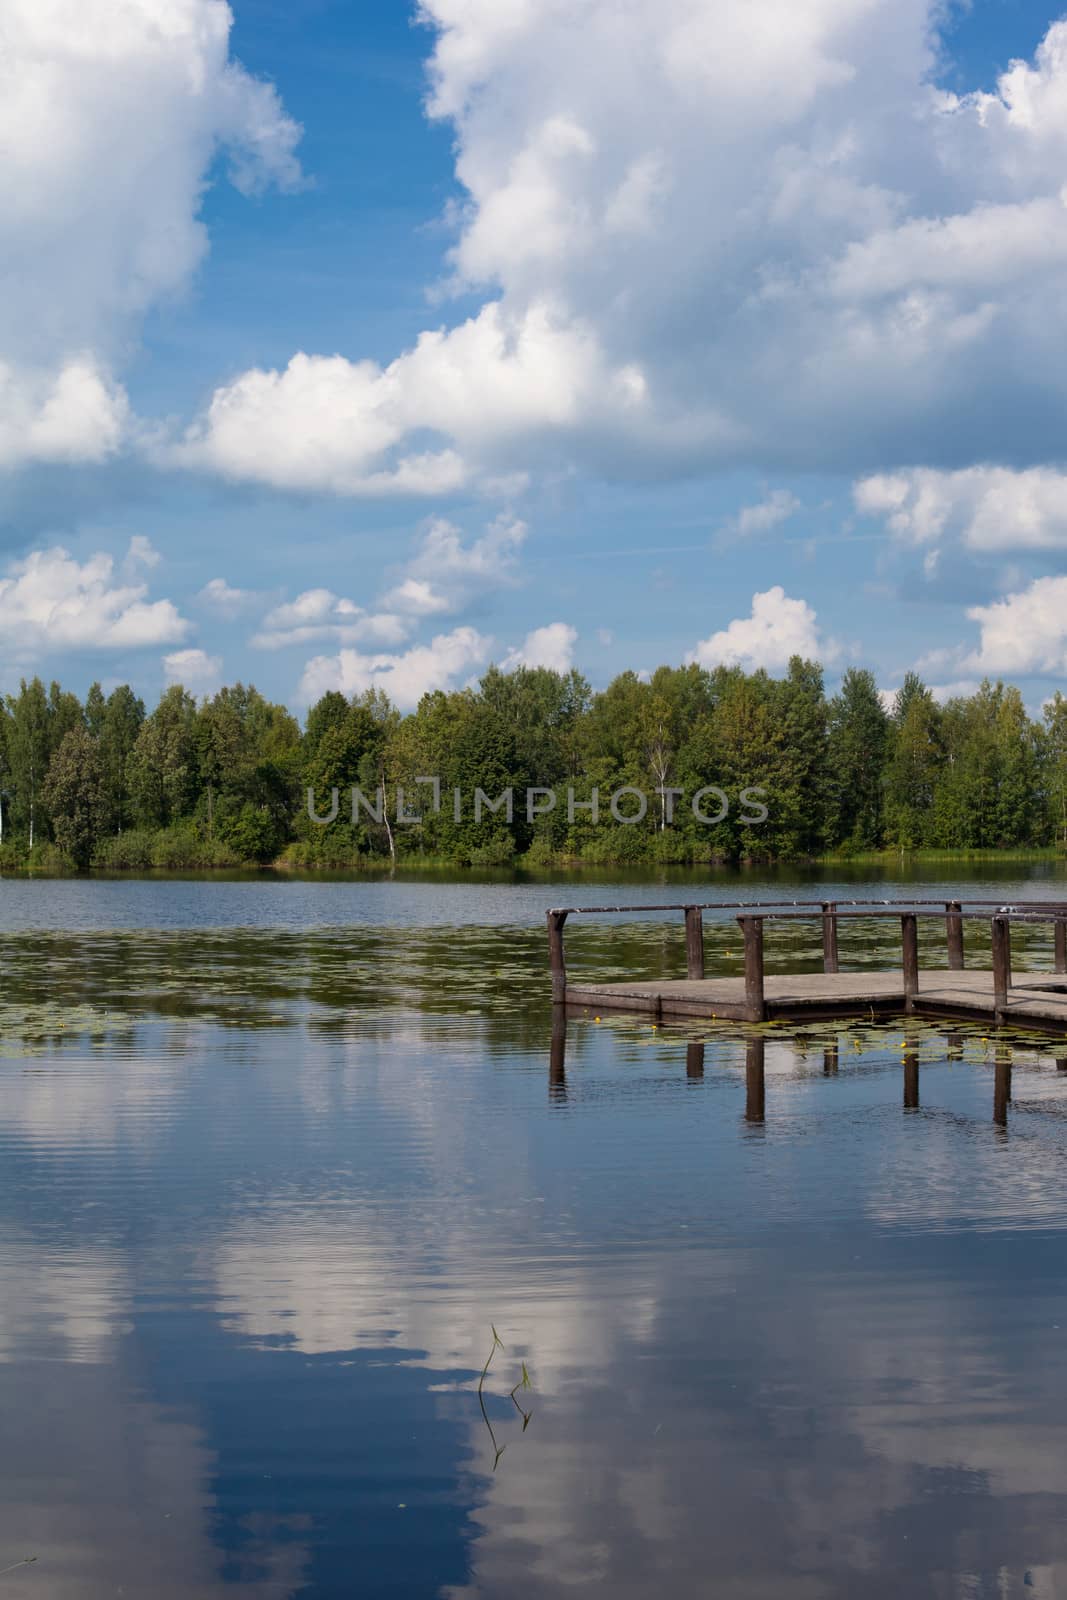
x=799, y=780
x=915, y=764
x=248, y=756
x=122, y=720
x=5, y=764
x=75, y=792
x=95, y=707
x=162, y=767
x=858, y=742
x=1055, y=766
x=29, y=751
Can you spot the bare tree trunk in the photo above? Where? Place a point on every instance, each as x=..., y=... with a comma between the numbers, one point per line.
x=388, y=829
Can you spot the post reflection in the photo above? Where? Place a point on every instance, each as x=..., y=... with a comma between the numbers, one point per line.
x=557, y=1056
x=830, y=1060
x=755, y=1091
x=694, y=1059
x=911, y=1077
x=1002, y=1085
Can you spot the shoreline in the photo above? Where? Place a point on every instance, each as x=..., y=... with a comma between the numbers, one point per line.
x=889, y=861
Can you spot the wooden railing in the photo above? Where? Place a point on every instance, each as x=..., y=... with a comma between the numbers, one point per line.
x=754, y=914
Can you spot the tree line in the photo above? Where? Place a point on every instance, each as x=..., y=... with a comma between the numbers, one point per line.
x=224, y=781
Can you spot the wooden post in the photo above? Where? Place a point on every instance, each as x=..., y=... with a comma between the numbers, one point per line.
x=694, y=1058
x=694, y=941
x=829, y=937
x=909, y=931
x=1061, y=944
x=911, y=1079
x=1002, y=1087
x=1001, y=965
x=556, y=958
x=755, y=1081
x=954, y=933
x=755, y=1005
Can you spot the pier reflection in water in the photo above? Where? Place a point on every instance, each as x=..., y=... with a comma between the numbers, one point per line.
x=952, y=1047
x=264, y=1201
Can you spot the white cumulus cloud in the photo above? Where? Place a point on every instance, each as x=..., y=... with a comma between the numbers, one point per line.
x=445, y=574
x=73, y=413
x=754, y=234
x=51, y=602
x=405, y=677
x=321, y=614
x=333, y=424
x=982, y=507
x=1025, y=633
x=778, y=628
x=195, y=670
x=774, y=509
x=111, y=116
x=224, y=599
x=551, y=646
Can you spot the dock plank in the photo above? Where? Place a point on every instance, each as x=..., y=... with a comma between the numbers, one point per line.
x=1035, y=999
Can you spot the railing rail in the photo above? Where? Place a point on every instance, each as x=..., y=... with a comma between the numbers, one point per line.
x=755, y=913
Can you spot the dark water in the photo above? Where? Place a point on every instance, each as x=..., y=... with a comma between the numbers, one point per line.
x=276, y=1158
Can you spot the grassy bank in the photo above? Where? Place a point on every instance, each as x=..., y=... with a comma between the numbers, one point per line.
x=183, y=849
x=893, y=857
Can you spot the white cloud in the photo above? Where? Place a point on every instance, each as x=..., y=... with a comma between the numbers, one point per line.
x=418, y=598
x=195, y=670
x=988, y=248
x=754, y=234
x=65, y=415
x=775, y=508
x=223, y=598
x=960, y=689
x=321, y=614
x=984, y=508
x=1024, y=633
x=52, y=602
x=142, y=552
x=405, y=677
x=332, y=424
x=551, y=646
x=445, y=574
x=111, y=114
x=777, y=629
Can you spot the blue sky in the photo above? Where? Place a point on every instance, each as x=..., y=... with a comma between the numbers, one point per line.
x=531, y=332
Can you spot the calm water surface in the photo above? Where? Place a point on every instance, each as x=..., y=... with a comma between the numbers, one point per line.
x=277, y=1157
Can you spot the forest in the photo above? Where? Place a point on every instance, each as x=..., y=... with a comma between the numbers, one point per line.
x=105, y=784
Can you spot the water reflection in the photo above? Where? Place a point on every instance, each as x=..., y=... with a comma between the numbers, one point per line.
x=783, y=1341
x=755, y=1079
x=1002, y=1085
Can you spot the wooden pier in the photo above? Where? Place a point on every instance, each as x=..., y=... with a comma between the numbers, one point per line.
x=995, y=996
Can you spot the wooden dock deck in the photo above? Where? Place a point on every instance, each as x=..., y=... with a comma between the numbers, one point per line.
x=997, y=996
x=1036, y=1000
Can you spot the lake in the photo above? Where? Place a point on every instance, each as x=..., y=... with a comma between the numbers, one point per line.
x=325, y=1271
